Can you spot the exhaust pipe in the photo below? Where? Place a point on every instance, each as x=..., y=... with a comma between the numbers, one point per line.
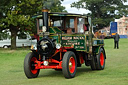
x=45, y=18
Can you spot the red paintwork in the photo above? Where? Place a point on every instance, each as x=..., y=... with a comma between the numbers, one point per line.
x=72, y=66
x=36, y=36
x=68, y=47
x=101, y=59
x=54, y=64
x=62, y=49
x=81, y=60
x=34, y=71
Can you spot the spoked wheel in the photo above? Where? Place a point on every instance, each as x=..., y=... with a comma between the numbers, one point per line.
x=29, y=66
x=100, y=60
x=69, y=64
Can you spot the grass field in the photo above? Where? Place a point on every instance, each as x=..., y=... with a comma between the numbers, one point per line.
x=115, y=72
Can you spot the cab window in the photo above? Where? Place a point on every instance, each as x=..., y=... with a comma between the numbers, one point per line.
x=22, y=36
x=57, y=23
x=69, y=23
x=81, y=25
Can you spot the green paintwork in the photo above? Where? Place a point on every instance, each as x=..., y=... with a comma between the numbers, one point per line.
x=98, y=42
x=87, y=37
x=55, y=37
x=78, y=40
x=51, y=30
x=97, y=48
x=61, y=14
x=54, y=30
x=58, y=30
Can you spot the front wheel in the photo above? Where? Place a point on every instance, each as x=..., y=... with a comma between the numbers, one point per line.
x=29, y=65
x=69, y=64
x=100, y=59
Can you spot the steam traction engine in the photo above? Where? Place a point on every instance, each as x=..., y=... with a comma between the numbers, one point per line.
x=65, y=42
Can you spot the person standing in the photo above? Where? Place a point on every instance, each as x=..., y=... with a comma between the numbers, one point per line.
x=116, y=41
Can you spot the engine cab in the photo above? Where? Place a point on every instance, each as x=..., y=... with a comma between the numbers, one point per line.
x=65, y=42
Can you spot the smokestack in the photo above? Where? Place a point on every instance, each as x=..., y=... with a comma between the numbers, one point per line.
x=45, y=18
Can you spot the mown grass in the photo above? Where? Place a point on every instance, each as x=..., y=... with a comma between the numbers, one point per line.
x=115, y=72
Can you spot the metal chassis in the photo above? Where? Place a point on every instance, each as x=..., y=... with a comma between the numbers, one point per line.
x=54, y=64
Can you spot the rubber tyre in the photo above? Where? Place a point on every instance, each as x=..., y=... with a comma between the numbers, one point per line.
x=100, y=65
x=87, y=62
x=29, y=70
x=69, y=64
x=93, y=63
x=58, y=69
x=5, y=46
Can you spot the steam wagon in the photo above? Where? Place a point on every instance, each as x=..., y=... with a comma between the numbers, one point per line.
x=65, y=42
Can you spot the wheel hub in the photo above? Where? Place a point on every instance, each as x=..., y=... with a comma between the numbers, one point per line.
x=33, y=70
x=101, y=59
x=72, y=65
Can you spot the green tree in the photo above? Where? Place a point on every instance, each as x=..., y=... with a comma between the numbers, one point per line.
x=57, y=7
x=103, y=11
x=16, y=15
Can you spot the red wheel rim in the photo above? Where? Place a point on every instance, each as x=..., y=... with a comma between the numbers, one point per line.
x=33, y=70
x=72, y=65
x=101, y=59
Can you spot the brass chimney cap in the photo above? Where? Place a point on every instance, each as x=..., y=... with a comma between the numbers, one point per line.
x=45, y=9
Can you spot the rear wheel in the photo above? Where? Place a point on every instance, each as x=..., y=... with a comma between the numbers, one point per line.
x=29, y=66
x=93, y=63
x=87, y=62
x=69, y=64
x=5, y=46
x=100, y=60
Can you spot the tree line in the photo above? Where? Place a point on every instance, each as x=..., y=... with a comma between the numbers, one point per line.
x=103, y=11
x=16, y=15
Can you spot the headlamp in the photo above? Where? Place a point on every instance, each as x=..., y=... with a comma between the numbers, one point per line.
x=58, y=46
x=33, y=47
x=46, y=63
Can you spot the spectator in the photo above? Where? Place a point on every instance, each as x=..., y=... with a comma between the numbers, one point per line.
x=116, y=41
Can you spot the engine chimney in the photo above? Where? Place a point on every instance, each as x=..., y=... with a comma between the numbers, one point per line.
x=45, y=18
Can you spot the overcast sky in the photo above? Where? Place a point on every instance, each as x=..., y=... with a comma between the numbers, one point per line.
x=67, y=3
